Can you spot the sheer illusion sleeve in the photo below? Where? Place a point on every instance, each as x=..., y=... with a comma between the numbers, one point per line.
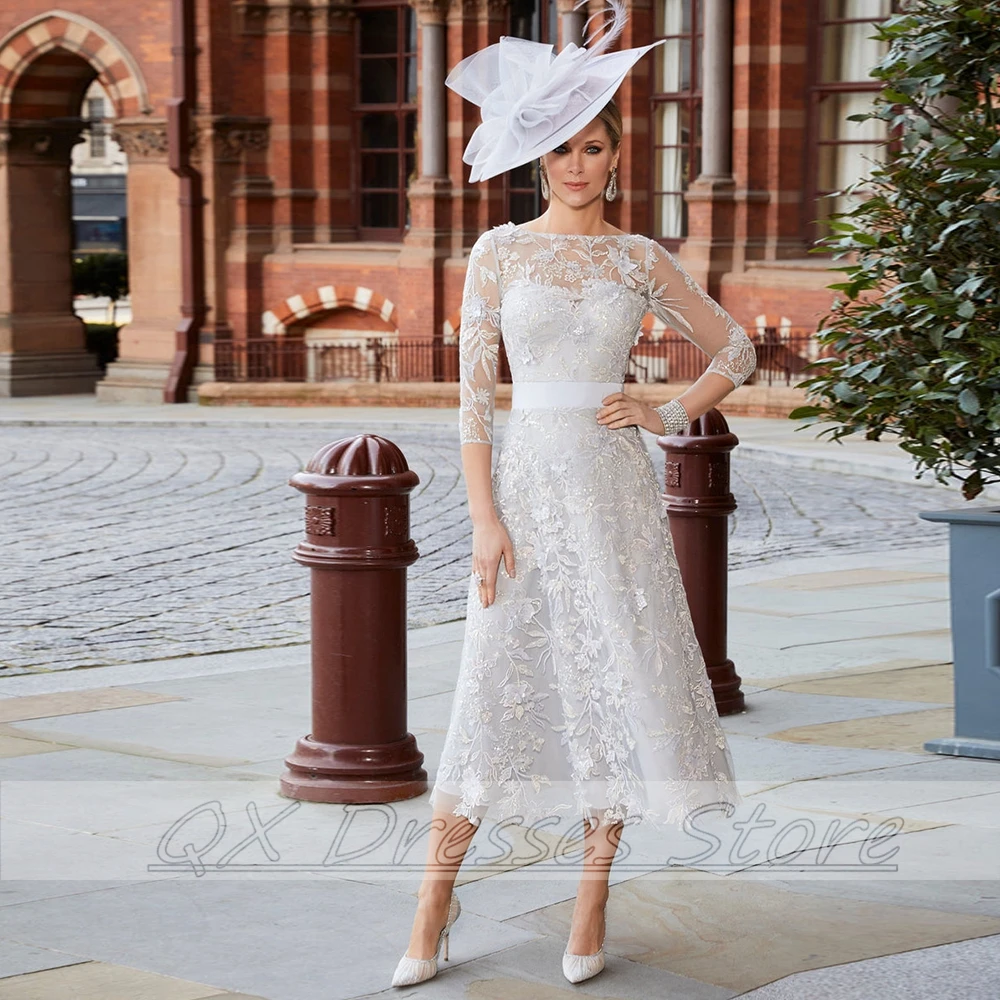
x=479, y=343
x=677, y=299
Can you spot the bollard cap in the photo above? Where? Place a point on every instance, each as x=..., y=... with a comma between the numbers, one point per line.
x=364, y=463
x=707, y=425
x=363, y=455
x=709, y=432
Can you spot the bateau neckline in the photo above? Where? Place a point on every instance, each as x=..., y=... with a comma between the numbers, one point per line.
x=574, y=236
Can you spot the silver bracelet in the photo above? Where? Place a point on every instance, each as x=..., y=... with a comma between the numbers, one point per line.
x=674, y=416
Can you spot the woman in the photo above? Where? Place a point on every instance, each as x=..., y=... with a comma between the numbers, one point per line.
x=582, y=690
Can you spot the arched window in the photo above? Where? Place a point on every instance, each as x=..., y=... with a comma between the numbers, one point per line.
x=676, y=109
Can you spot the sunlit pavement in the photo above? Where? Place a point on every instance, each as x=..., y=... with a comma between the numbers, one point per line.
x=858, y=865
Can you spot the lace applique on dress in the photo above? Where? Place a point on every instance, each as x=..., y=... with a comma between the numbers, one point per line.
x=479, y=343
x=582, y=690
x=570, y=308
x=697, y=316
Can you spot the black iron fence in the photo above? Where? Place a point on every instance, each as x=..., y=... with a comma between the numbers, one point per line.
x=782, y=357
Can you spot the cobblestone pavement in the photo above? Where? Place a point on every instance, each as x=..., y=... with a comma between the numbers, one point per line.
x=121, y=543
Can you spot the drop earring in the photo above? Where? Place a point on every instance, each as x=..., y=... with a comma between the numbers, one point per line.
x=612, y=189
x=543, y=183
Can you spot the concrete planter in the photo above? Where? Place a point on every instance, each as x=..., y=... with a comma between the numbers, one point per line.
x=975, y=630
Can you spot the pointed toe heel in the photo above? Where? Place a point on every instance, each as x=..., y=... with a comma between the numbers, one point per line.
x=416, y=970
x=577, y=968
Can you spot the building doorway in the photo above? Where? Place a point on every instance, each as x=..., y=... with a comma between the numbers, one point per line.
x=65, y=82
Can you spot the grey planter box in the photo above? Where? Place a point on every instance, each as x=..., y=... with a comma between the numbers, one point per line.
x=975, y=630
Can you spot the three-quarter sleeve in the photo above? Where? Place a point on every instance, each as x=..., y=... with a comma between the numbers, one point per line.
x=677, y=299
x=479, y=343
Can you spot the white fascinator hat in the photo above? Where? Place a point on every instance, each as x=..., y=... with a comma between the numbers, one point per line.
x=531, y=99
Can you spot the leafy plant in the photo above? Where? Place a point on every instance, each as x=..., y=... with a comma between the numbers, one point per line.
x=917, y=337
x=101, y=274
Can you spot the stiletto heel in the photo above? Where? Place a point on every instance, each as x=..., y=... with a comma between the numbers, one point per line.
x=577, y=968
x=416, y=970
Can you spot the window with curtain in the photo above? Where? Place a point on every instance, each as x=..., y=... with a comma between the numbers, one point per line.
x=676, y=110
x=385, y=112
x=536, y=20
x=842, y=151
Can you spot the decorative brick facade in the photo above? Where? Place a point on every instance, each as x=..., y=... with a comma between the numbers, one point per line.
x=291, y=148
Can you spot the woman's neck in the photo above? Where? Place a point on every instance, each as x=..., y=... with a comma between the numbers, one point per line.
x=588, y=220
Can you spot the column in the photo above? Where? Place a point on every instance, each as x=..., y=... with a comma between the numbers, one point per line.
x=288, y=102
x=232, y=158
x=146, y=345
x=432, y=114
x=571, y=23
x=420, y=308
x=430, y=193
x=333, y=50
x=707, y=252
x=42, y=343
x=717, y=85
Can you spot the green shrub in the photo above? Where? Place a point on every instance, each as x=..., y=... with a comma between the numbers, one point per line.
x=919, y=354
x=101, y=274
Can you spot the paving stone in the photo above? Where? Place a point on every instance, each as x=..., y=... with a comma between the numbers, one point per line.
x=84, y=980
x=741, y=935
x=933, y=682
x=347, y=936
x=128, y=543
x=947, y=972
x=15, y=746
x=19, y=960
x=905, y=731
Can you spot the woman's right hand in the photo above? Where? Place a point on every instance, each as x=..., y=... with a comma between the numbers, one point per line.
x=490, y=541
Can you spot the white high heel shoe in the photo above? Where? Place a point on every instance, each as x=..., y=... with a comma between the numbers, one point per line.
x=416, y=970
x=577, y=968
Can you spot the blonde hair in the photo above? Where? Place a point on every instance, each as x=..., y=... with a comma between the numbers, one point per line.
x=612, y=119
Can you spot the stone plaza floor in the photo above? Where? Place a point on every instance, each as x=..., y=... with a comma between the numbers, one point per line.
x=125, y=541
x=146, y=852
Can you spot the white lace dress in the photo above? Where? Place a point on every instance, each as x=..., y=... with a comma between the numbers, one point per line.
x=582, y=690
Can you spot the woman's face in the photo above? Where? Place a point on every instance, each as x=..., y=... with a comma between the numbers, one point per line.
x=578, y=170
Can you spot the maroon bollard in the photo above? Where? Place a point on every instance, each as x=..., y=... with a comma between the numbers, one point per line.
x=358, y=547
x=696, y=476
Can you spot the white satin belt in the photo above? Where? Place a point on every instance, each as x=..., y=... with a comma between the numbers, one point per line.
x=526, y=395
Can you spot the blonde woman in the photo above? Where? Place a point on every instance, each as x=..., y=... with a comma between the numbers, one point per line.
x=582, y=690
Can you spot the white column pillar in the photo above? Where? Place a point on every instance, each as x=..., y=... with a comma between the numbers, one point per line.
x=570, y=23
x=717, y=89
x=432, y=113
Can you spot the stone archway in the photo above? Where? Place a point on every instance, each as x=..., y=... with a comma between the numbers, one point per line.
x=327, y=298
x=340, y=333
x=110, y=61
x=347, y=344
x=46, y=65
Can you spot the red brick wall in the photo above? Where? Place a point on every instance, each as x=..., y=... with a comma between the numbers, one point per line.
x=296, y=65
x=142, y=29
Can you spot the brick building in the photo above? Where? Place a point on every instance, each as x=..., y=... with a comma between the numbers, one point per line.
x=326, y=157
